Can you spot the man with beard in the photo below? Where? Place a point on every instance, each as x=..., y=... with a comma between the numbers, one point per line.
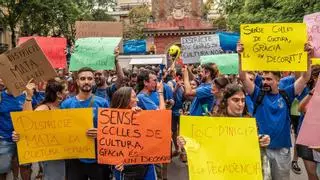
x=203, y=97
x=102, y=89
x=273, y=113
x=86, y=168
x=133, y=78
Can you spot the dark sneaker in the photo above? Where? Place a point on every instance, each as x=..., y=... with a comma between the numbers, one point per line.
x=295, y=167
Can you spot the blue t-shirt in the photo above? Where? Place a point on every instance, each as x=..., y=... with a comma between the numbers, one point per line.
x=273, y=117
x=147, y=102
x=106, y=93
x=98, y=102
x=258, y=81
x=249, y=104
x=203, y=100
x=286, y=81
x=37, y=98
x=178, y=101
x=8, y=104
x=167, y=92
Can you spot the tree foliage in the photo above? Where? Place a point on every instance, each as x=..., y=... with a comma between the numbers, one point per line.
x=267, y=11
x=51, y=17
x=138, y=16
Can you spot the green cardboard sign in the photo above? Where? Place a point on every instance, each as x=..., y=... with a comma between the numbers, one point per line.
x=96, y=53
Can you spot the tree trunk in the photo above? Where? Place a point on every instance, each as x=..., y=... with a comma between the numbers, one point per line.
x=13, y=36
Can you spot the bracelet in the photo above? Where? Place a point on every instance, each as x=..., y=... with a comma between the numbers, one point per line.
x=160, y=91
x=28, y=99
x=310, y=94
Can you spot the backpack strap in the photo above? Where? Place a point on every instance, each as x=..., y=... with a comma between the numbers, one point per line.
x=91, y=101
x=258, y=101
x=286, y=99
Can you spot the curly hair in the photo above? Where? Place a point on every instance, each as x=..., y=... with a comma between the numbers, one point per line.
x=231, y=89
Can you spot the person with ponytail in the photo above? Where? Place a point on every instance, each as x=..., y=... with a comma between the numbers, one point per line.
x=56, y=92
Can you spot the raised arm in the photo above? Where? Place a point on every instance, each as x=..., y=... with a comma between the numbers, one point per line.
x=187, y=86
x=27, y=106
x=248, y=85
x=301, y=82
x=162, y=104
x=305, y=101
x=120, y=74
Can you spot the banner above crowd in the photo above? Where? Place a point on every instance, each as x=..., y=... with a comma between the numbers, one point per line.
x=226, y=63
x=313, y=26
x=53, y=134
x=193, y=47
x=274, y=47
x=21, y=64
x=86, y=29
x=97, y=53
x=309, y=132
x=134, y=138
x=54, y=48
x=221, y=148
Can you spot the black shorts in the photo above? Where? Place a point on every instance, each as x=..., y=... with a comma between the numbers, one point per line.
x=295, y=123
x=304, y=152
x=175, y=121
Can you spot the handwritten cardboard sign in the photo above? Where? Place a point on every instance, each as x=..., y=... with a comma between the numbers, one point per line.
x=23, y=63
x=195, y=46
x=309, y=131
x=53, y=135
x=227, y=63
x=274, y=47
x=98, y=29
x=313, y=26
x=221, y=148
x=134, y=138
x=97, y=53
x=53, y=48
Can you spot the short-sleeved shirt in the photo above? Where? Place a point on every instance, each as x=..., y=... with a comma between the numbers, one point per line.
x=37, y=98
x=147, y=102
x=73, y=103
x=273, y=117
x=203, y=100
x=249, y=104
x=167, y=92
x=286, y=81
x=178, y=101
x=106, y=93
x=258, y=81
x=9, y=104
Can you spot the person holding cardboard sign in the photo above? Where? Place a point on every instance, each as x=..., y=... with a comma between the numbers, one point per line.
x=147, y=83
x=272, y=113
x=86, y=168
x=233, y=104
x=8, y=154
x=56, y=92
x=125, y=98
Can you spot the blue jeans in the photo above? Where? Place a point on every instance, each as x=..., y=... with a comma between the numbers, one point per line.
x=7, y=151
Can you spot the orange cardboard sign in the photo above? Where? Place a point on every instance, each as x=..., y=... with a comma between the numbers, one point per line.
x=134, y=138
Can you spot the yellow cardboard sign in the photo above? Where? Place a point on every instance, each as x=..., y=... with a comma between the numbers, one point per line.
x=274, y=47
x=53, y=135
x=221, y=148
x=315, y=61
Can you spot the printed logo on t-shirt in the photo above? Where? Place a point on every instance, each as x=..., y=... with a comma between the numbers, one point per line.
x=280, y=103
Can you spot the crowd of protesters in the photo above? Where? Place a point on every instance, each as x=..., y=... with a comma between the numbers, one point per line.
x=277, y=100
